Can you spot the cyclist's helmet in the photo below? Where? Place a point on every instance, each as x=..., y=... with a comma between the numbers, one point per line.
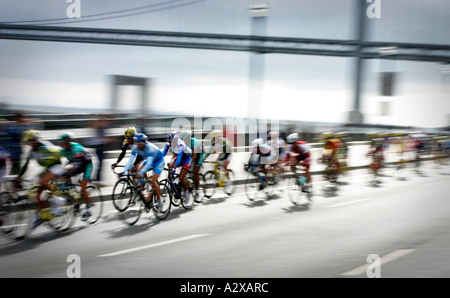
x=140, y=137
x=273, y=135
x=186, y=134
x=215, y=136
x=327, y=135
x=258, y=142
x=66, y=137
x=173, y=135
x=372, y=135
x=292, y=138
x=31, y=135
x=130, y=132
x=254, y=148
x=341, y=134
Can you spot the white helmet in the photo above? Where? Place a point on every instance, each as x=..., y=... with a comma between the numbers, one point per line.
x=258, y=142
x=185, y=134
x=273, y=135
x=255, y=145
x=293, y=137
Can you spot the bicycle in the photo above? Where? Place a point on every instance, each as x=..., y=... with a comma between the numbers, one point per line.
x=218, y=177
x=298, y=188
x=257, y=184
x=122, y=191
x=175, y=189
x=201, y=189
x=7, y=202
x=25, y=206
x=72, y=193
x=137, y=203
x=331, y=171
x=375, y=167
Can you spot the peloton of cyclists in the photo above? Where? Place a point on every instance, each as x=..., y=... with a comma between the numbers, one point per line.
x=299, y=153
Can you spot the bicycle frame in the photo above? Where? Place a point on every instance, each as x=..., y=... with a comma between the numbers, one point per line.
x=172, y=176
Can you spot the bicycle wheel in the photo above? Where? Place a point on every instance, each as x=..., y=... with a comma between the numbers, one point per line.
x=7, y=207
x=296, y=192
x=210, y=184
x=161, y=212
x=96, y=198
x=188, y=203
x=63, y=221
x=134, y=210
x=23, y=212
x=174, y=194
x=122, y=194
x=230, y=186
x=252, y=187
x=199, y=193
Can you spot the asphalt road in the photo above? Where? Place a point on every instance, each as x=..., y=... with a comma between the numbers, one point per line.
x=400, y=228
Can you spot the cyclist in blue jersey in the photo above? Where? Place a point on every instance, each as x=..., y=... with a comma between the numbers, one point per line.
x=152, y=159
x=182, y=155
x=80, y=162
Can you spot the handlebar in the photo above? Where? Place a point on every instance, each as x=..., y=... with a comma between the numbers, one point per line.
x=117, y=166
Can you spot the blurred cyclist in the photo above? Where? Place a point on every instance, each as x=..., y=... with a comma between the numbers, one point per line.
x=152, y=157
x=127, y=144
x=299, y=153
x=182, y=155
x=260, y=157
x=47, y=156
x=197, y=157
x=80, y=162
x=331, y=146
x=222, y=146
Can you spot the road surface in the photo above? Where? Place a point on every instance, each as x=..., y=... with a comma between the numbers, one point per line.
x=401, y=228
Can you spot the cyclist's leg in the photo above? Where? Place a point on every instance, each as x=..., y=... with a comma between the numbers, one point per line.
x=155, y=185
x=182, y=176
x=87, y=172
x=158, y=167
x=197, y=163
x=44, y=184
x=224, y=160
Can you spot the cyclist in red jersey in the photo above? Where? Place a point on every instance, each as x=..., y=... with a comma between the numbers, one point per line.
x=298, y=153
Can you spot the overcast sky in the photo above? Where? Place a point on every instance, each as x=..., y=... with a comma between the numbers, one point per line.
x=309, y=88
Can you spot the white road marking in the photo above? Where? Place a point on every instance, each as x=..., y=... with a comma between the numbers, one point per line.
x=346, y=203
x=396, y=254
x=125, y=251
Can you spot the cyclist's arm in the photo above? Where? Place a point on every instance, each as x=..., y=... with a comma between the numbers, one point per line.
x=148, y=165
x=179, y=157
x=207, y=154
x=130, y=162
x=166, y=148
x=121, y=155
x=24, y=168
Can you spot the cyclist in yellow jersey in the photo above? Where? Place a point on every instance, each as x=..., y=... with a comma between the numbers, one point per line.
x=331, y=146
x=220, y=145
x=48, y=156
